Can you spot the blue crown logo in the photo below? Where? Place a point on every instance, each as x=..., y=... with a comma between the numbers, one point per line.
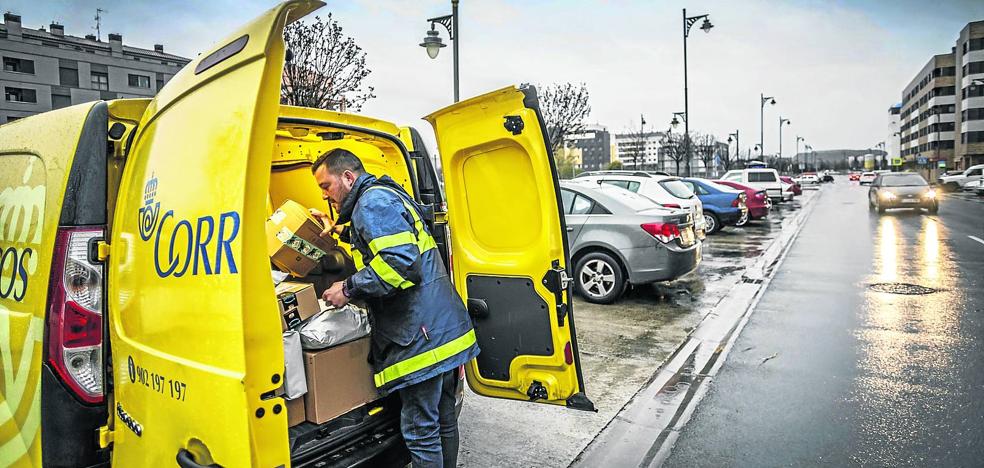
x=150, y=190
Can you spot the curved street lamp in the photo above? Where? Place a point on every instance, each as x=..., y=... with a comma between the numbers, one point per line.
x=781, y=122
x=688, y=22
x=433, y=43
x=763, y=100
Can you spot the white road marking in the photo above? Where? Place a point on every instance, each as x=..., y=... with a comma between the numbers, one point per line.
x=978, y=239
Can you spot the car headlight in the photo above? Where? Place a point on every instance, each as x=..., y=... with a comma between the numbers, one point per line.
x=931, y=193
x=888, y=195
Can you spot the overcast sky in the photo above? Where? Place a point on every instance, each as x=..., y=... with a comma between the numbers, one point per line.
x=834, y=67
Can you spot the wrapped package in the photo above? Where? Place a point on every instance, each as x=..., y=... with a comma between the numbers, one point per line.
x=295, y=382
x=334, y=326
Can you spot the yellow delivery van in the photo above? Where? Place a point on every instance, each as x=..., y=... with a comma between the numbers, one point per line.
x=139, y=324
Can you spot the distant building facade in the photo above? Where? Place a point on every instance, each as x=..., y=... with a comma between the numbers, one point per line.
x=595, y=145
x=45, y=70
x=893, y=143
x=640, y=151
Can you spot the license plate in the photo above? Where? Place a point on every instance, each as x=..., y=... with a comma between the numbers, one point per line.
x=687, y=236
x=910, y=200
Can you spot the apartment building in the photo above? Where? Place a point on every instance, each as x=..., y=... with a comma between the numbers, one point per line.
x=46, y=69
x=928, y=117
x=595, y=144
x=640, y=150
x=969, y=58
x=892, y=140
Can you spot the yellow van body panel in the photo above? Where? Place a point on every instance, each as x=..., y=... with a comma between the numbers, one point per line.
x=505, y=223
x=194, y=325
x=33, y=176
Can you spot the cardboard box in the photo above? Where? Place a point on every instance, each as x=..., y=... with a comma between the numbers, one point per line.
x=297, y=303
x=295, y=411
x=294, y=240
x=339, y=380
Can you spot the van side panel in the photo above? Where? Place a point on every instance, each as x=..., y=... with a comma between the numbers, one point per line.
x=35, y=156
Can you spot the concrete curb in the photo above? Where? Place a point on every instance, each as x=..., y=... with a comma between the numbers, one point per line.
x=645, y=429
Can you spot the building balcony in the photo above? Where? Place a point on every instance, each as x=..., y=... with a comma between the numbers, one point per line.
x=941, y=100
x=965, y=81
x=972, y=126
x=940, y=136
x=972, y=56
x=972, y=103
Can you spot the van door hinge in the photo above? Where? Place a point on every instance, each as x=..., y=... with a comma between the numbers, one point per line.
x=105, y=437
x=101, y=250
x=557, y=281
x=514, y=124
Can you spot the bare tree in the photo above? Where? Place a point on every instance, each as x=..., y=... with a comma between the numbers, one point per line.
x=673, y=146
x=325, y=68
x=564, y=108
x=705, y=147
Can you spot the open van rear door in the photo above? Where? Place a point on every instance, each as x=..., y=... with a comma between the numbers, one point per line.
x=196, y=345
x=508, y=248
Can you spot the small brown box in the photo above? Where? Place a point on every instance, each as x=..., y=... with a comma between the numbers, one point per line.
x=295, y=411
x=339, y=380
x=294, y=240
x=297, y=302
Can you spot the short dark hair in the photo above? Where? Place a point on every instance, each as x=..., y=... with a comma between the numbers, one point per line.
x=338, y=161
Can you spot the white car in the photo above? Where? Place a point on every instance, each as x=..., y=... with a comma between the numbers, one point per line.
x=976, y=187
x=808, y=178
x=762, y=178
x=959, y=181
x=867, y=178
x=668, y=191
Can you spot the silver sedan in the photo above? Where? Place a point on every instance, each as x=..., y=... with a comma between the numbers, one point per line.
x=619, y=238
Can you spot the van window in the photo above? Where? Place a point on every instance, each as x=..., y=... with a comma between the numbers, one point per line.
x=974, y=172
x=761, y=177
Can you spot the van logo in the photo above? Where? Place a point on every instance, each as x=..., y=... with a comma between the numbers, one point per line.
x=202, y=245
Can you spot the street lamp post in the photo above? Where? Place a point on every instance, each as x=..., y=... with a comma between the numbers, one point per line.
x=763, y=99
x=688, y=22
x=737, y=145
x=686, y=138
x=797, y=157
x=781, y=122
x=433, y=44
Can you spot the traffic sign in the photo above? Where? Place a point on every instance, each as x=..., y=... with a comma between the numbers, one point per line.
x=922, y=161
x=941, y=164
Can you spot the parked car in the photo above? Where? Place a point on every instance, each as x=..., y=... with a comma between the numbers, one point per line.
x=808, y=178
x=793, y=185
x=723, y=206
x=827, y=177
x=618, y=238
x=902, y=190
x=668, y=191
x=953, y=183
x=143, y=322
x=854, y=176
x=756, y=200
x=761, y=178
x=867, y=178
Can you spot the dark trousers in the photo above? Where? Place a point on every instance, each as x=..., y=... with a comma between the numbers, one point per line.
x=429, y=423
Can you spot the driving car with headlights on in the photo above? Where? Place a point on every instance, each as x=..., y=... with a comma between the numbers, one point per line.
x=902, y=190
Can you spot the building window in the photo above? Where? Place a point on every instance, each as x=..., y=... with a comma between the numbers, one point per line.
x=138, y=81
x=973, y=68
x=20, y=94
x=972, y=137
x=11, y=118
x=68, y=77
x=16, y=65
x=100, y=81
x=974, y=44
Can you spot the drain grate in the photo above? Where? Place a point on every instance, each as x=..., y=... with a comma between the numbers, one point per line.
x=907, y=289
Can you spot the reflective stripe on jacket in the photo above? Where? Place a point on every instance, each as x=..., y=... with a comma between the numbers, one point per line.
x=420, y=325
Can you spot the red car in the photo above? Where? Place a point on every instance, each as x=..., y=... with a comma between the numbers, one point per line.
x=797, y=190
x=854, y=176
x=756, y=200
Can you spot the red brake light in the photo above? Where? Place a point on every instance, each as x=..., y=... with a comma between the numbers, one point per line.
x=671, y=205
x=75, y=314
x=568, y=354
x=665, y=232
x=734, y=203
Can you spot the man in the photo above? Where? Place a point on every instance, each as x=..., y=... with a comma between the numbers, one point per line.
x=421, y=332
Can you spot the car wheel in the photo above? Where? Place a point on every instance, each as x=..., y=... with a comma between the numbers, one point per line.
x=599, y=278
x=743, y=220
x=711, y=223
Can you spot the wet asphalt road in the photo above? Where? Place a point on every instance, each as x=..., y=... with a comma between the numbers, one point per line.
x=622, y=345
x=831, y=371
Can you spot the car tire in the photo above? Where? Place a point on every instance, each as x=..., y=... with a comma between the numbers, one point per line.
x=711, y=222
x=598, y=278
x=744, y=219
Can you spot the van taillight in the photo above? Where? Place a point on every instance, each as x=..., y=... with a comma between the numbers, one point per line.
x=75, y=317
x=665, y=232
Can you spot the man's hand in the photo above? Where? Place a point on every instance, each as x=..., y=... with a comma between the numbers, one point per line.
x=334, y=296
x=330, y=226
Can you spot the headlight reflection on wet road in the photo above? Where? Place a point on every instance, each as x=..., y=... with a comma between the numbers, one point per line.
x=907, y=341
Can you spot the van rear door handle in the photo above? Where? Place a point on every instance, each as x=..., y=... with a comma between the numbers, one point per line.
x=187, y=460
